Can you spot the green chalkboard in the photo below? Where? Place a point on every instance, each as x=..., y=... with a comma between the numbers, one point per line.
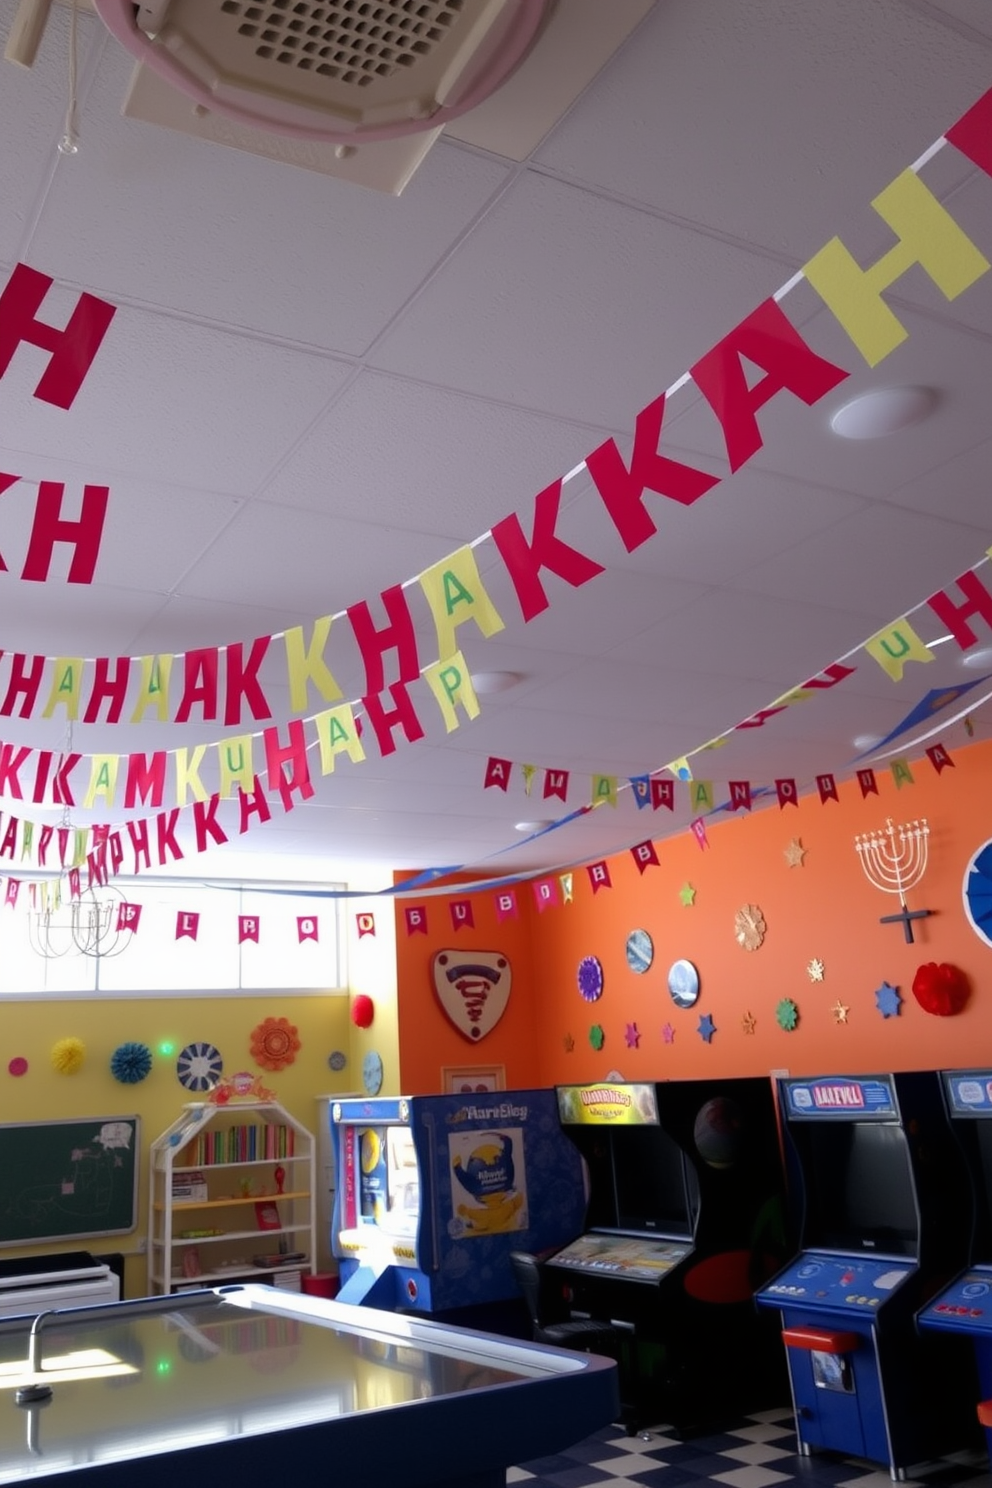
x=65, y=1180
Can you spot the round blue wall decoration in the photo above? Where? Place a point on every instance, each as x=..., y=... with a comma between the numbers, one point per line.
x=199, y=1067
x=372, y=1073
x=977, y=893
x=640, y=951
x=683, y=983
x=590, y=978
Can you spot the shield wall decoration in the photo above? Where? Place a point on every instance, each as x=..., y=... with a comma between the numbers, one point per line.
x=473, y=988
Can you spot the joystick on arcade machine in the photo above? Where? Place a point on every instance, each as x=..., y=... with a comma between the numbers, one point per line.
x=885, y=1210
x=435, y=1191
x=965, y=1307
x=686, y=1218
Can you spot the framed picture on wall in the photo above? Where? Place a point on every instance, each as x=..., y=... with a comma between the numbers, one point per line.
x=473, y=1079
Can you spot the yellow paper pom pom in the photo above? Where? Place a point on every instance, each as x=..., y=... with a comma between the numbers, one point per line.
x=68, y=1055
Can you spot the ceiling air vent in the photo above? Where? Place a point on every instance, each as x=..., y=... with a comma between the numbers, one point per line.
x=340, y=71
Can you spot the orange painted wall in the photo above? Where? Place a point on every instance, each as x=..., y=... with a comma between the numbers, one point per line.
x=824, y=909
x=428, y=1040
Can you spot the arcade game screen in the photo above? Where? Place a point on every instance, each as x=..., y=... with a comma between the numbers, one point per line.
x=390, y=1179
x=640, y=1182
x=860, y=1192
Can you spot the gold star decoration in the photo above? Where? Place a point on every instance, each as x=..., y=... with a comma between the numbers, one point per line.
x=815, y=970
x=569, y=1043
x=747, y=1022
x=794, y=853
x=840, y=1011
x=688, y=895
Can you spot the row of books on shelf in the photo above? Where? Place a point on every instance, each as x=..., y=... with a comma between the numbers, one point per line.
x=256, y=1143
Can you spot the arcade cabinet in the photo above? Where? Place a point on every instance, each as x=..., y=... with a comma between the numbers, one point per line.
x=686, y=1218
x=886, y=1215
x=435, y=1191
x=964, y=1308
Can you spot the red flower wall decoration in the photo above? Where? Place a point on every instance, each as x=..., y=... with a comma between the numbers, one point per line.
x=274, y=1043
x=940, y=989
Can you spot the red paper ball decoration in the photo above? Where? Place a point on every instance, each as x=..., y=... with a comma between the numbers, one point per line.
x=941, y=990
x=362, y=1011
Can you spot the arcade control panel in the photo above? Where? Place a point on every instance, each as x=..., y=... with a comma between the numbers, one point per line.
x=966, y=1304
x=837, y=1283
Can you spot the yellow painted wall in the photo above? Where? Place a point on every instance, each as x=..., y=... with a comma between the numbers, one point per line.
x=29, y=1029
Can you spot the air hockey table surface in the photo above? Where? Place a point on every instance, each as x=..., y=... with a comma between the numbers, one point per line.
x=250, y=1383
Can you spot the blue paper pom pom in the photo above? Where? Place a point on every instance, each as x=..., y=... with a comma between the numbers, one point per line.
x=130, y=1063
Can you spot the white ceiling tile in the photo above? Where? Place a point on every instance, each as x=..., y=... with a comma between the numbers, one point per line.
x=424, y=458
x=251, y=242
x=769, y=122
x=570, y=274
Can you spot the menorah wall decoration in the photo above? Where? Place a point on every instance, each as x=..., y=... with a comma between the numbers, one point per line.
x=896, y=868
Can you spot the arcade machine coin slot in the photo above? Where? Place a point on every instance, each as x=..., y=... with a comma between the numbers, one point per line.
x=964, y=1308
x=686, y=1216
x=885, y=1213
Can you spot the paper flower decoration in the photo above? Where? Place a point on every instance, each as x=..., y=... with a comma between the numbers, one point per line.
x=362, y=1011
x=68, y=1055
x=940, y=989
x=131, y=1063
x=888, y=1000
x=787, y=1014
x=274, y=1043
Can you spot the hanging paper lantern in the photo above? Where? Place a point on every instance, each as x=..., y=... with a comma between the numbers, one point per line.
x=68, y=1055
x=131, y=1063
x=940, y=989
x=362, y=1011
x=274, y=1043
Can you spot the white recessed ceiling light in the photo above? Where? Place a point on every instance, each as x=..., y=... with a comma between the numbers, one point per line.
x=532, y=826
x=866, y=741
x=883, y=411
x=978, y=659
x=495, y=681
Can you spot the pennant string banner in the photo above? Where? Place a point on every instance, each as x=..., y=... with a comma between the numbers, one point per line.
x=225, y=683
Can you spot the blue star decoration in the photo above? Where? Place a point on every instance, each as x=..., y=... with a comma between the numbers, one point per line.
x=632, y=1036
x=887, y=1000
x=707, y=1028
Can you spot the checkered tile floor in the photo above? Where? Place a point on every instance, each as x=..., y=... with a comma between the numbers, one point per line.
x=758, y=1452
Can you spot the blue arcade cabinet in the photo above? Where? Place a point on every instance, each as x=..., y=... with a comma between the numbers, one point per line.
x=885, y=1208
x=435, y=1191
x=964, y=1309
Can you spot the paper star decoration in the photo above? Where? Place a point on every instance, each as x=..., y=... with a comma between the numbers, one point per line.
x=569, y=1043
x=707, y=1028
x=596, y=1036
x=787, y=1014
x=668, y=1034
x=688, y=895
x=887, y=1000
x=794, y=853
x=815, y=970
x=747, y=1022
x=840, y=1011
x=631, y=1037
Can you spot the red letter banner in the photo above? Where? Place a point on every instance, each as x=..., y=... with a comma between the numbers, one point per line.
x=787, y=793
x=416, y=919
x=10, y=897
x=599, y=877
x=939, y=757
x=506, y=905
x=827, y=786
x=545, y=894
x=699, y=832
x=663, y=794
x=129, y=917
x=187, y=924
x=868, y=783
x=365, y=924
x=462, y=917
x=306, y=928
x=498, y=773
x=740, y=795
x=644, y=856
x=555, y=784
x=248, y=927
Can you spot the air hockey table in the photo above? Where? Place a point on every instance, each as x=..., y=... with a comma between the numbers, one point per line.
x=249, y=1384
